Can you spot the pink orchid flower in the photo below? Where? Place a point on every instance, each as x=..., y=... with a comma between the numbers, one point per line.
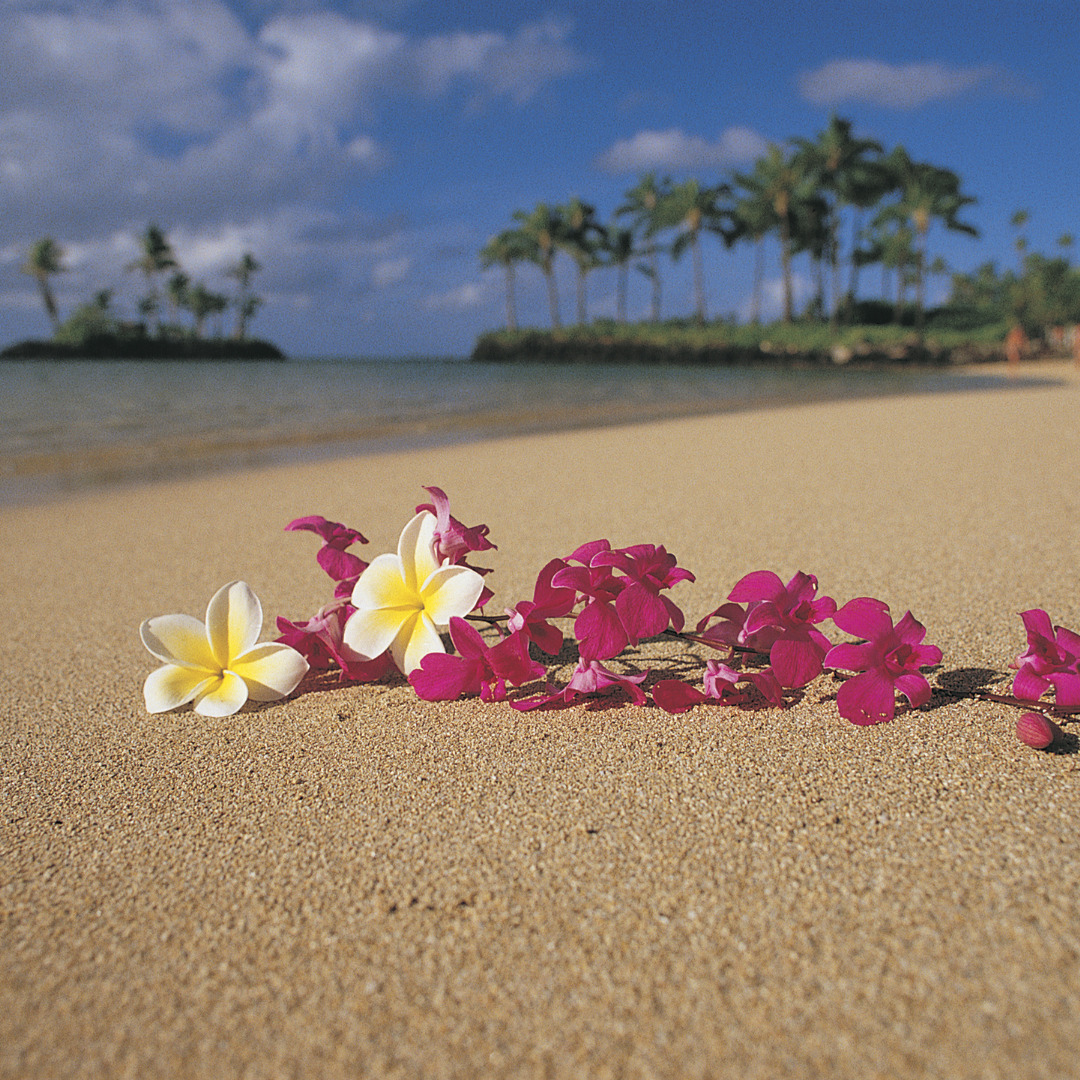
x=530, y=617
x=1052, y=658
x=648, y=569
x=343, y=566
x=478, y=669
x=620, y=611
x=320, y=641
x=889, y=660
x=779, y=620
x=591, y=680
x=721, y=687
x=452, y=539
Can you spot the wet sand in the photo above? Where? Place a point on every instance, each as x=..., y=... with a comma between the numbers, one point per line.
x=357, y=883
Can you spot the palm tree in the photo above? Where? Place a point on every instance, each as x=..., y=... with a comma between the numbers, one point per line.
x=927, y=192
x=176, y=290
x=201, y=302
x=582, y=238
x=843, y=173
x=694, y=207
x=157, y=257
x=620, y=252
x=542, y=230
x=246, y=304
x=507, y=249
x=643, y=202
x=1018, y=221
x=778, y=182
x=44, y=259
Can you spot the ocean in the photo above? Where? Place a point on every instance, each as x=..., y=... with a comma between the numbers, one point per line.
x=71, y=426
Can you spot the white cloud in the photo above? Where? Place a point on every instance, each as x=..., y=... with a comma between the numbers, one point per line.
x=391, y=271
x=366, y=152
x=893, y=86
x=515, y=66
x=463, y=298
x=674, y=149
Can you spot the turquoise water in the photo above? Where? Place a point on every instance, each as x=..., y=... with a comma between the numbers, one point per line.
x=69, y=426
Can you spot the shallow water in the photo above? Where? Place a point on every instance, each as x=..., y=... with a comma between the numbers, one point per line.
x=67, y=426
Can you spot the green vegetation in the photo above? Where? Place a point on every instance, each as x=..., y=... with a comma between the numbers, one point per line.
x=95, y=329
x=842, y=203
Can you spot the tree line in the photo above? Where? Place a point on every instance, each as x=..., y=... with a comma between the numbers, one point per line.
x=166, y=285
x=841, y=200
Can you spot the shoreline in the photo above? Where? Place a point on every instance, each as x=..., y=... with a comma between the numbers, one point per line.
x=354, y=882
x=38, y=475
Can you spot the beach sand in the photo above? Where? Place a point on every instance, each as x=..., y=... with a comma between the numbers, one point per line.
x=355, y=883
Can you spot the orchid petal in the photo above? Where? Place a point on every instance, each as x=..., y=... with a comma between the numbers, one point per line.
x=1066, y=689
x=271, y=671
x=179, y=640
x=796, y=661
x=450, y=591
x=170, y=687
x=759, y=585
x=864, y=617
x=599, y=631
x=852, y=657
x=1029, y=685
x=233, y=621
x=914, y=687
x=643, y=613
x=446, y=678
x=466, y=638
x=868, y=698
x=674, y=696
x=222, y=696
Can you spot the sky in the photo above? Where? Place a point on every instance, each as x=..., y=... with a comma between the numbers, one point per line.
x=365, y=150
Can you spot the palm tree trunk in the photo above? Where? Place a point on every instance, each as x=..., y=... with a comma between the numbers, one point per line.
x=511, y=309
x=699, y=280
x=620, y=293
x=759, y=276
x=581, y=305
x=49, y=301
x=553, y=298
x=654, y=266
x=785, y=262
x=920, y=287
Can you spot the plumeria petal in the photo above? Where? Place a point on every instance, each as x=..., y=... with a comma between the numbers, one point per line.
x=170, y=686
x=233, y=621
x=222, y=696
x=271, y=670
x=179, y=640
x=416, y=550
x=382, y=585
x=416, y=638
x=450, y=591
x=371, y=631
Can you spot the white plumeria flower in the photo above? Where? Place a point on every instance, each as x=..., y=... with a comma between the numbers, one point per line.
x=401, y=600
x=217, y=664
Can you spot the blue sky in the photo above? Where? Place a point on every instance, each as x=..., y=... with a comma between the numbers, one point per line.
x=365, y=151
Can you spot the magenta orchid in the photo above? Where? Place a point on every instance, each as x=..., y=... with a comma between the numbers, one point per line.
x=530, y=617
x=721, y=688
x=591, y=681
x=477, y=669
x=453, y=541
x=343, y=566
x=321, y=642
x=779, y=620
x=889, y=661
x=1052, y=658
x=621, y=611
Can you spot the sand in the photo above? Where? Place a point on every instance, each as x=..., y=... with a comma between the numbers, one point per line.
x=354, y=883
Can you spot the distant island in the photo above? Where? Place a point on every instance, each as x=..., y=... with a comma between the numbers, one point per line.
x=95, y=331
x=115, y=347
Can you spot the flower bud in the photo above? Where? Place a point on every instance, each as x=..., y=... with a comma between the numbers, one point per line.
x=1038, y=731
